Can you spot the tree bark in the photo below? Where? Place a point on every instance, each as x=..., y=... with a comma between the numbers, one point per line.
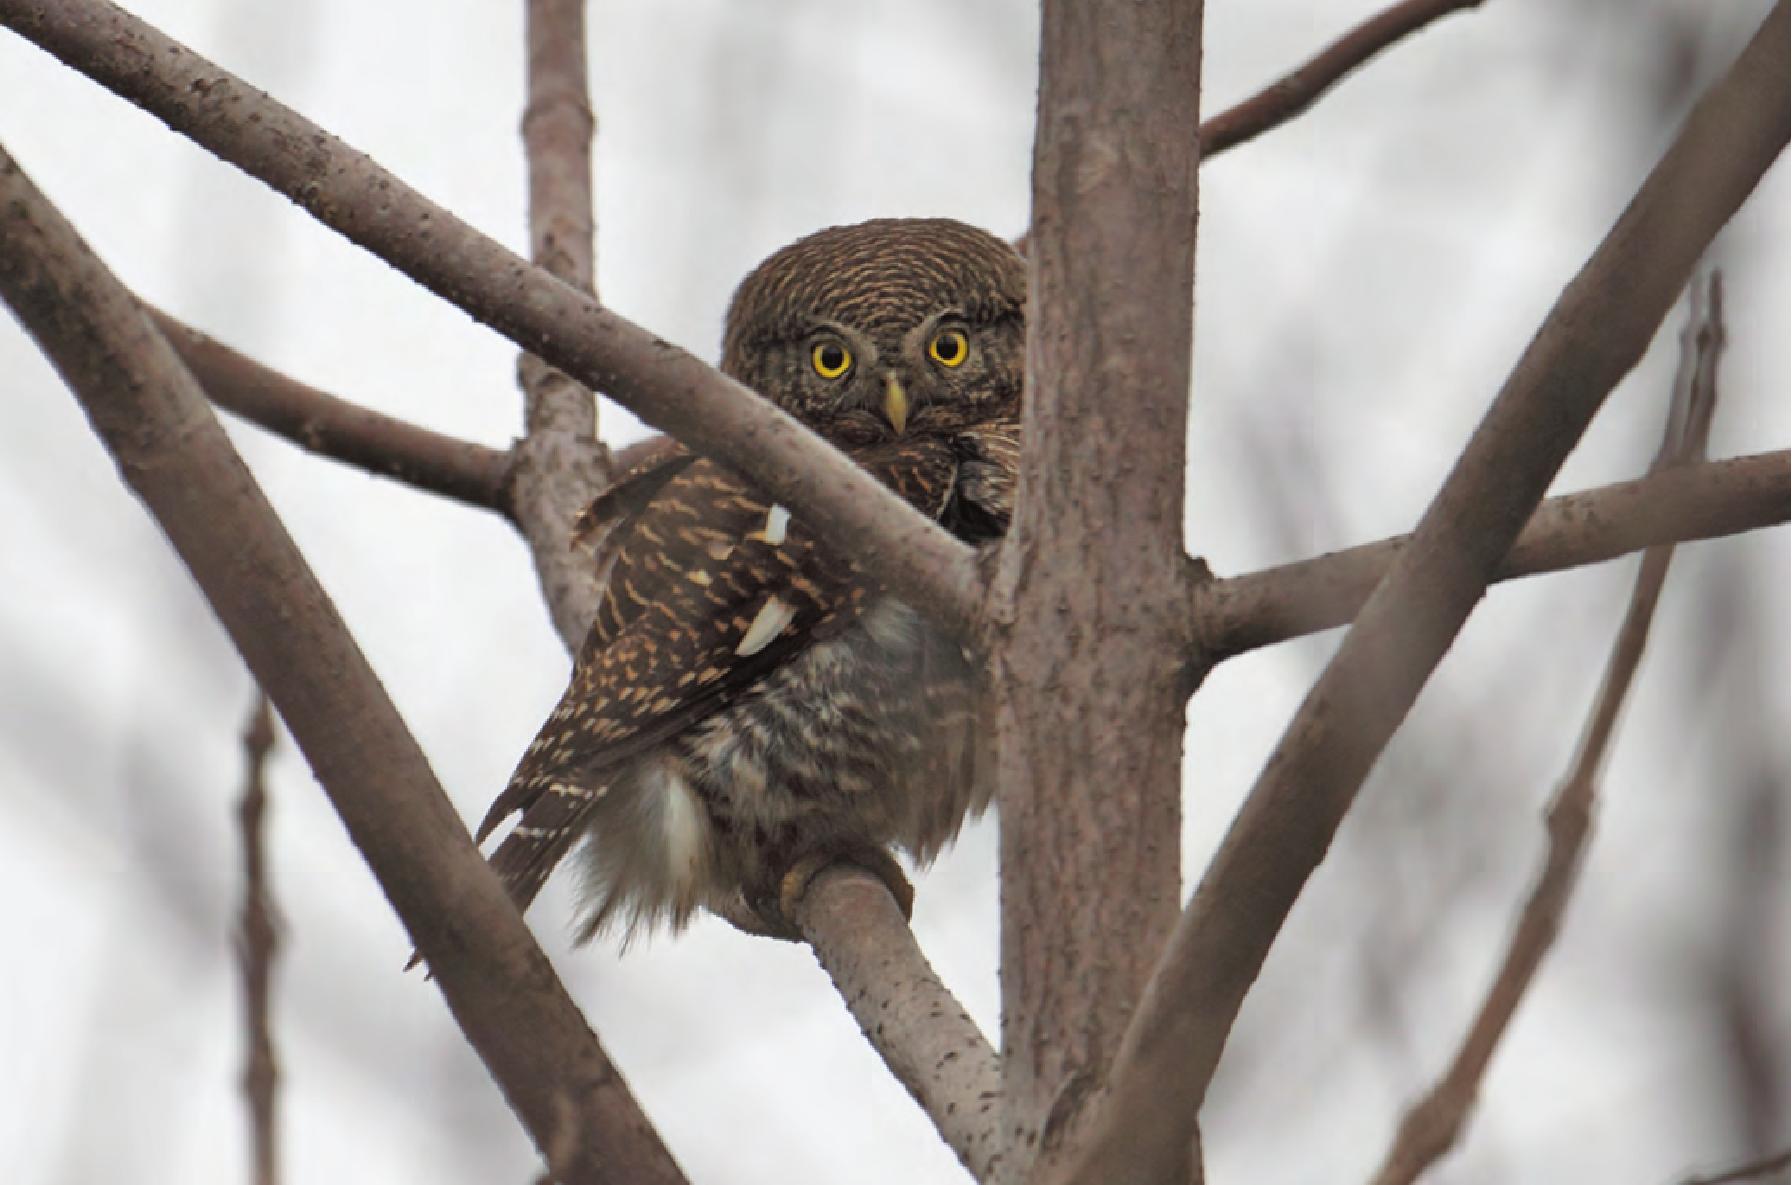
x=1087, y=610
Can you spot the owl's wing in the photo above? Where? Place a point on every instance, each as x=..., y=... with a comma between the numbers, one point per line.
x=632, y=492
x=713, y=588
x=988, y=472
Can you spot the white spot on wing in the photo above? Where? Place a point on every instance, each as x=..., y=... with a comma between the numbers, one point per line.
x=774, y=615
x=777, y=524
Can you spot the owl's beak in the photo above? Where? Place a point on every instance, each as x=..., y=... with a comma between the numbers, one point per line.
x=895, y=403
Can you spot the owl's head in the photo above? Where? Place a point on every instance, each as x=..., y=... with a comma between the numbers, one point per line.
x=891, y=327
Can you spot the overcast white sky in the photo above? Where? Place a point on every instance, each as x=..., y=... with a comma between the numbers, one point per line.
x=1367, y=276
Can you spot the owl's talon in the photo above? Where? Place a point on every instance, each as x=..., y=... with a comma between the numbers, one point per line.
x=876, y=861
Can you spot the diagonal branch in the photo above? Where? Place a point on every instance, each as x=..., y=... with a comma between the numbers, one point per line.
x=1434, y=1123
x=1707, y=501
x=1597, y=330
x=921, y=1031
x=170, y=448
x=331, y=427
x=1292, y=94
x=561, y=465
x=662, y=384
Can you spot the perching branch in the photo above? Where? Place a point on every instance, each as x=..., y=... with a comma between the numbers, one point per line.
x=1705, y=501
x=561, y=464
x=923, y=1034
x=661, y=383
x=1434, y=1123
x=331, y=427
x=1289, y=96
x=154, y=419
x=1599, y=327
x=257, y=943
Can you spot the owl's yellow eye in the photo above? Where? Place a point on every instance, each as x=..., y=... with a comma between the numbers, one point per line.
x=949, y=347
x=830, y=359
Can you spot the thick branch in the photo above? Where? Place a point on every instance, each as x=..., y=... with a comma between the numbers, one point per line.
x=662, y=384
x=923, y=1034
x=560, y=463
x=1434, y=1124
x=1598, y=329
x=170, y=447
x=330, y=427
x=1708, y=501
x=1287, y=97
x=1088, y=597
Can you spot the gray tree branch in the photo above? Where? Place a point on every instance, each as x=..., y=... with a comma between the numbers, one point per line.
x=1599, y=327
x=1432, y=1126
x=560, y=463
x=336, y=428
x=1239, y=613
x=170, y=448
x=921, y=1031
x=1086, y=674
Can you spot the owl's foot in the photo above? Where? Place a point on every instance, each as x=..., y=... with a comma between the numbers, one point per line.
x=876, y=861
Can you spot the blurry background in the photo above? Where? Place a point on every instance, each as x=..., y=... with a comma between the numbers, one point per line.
x=1367, y=277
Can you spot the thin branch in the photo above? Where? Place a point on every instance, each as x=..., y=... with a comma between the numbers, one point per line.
x=1597, y=330
x=1707, y=501
x=1755, y=1170
x=170, y=448
x=1434, y=1123
x=257, y=943
x=662, y=384
x=561, y=465
x=1289, y=96
x=335, y=428
x=921, y=1031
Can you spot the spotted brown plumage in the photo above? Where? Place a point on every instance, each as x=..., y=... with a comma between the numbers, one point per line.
x=747, y=699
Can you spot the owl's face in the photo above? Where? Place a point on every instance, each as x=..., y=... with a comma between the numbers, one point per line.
x=887, y=328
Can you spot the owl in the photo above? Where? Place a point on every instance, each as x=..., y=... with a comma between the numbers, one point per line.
x=750, y=704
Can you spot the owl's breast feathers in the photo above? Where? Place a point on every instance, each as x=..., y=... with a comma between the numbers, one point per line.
x=712, y=588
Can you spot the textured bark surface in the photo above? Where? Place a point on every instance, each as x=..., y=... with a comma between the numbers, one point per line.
x=1088, y=605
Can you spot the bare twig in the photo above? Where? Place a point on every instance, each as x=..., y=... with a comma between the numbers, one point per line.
x=561, y=465
x=664, y=385
x=1287, y=97
x=257, y=943
x=1597, y=330
x=923, y=1034
x=1707, y=501
x=168, y=444
x=1755, y=1170
x=331, y=427
x=1434, y=1123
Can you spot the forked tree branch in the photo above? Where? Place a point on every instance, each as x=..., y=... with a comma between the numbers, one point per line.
x=1289, y=96
x=1599, y=327
x=921, y=1031
x=661, y=383
x=331, y=427
x=1433, y=1125
x=1707, y=501
x=561, y=464
x=155, y=421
